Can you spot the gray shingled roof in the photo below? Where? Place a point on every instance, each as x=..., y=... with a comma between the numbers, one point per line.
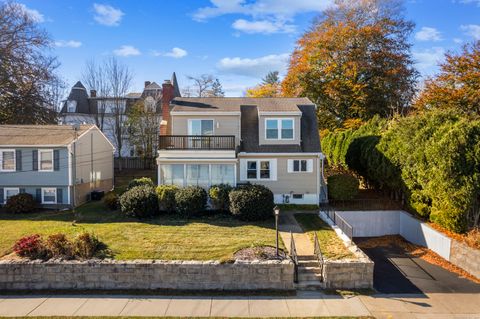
x=39, y=134
x=79, y=94
x=232, y=104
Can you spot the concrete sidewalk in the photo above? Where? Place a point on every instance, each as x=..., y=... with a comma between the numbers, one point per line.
x=305, y=304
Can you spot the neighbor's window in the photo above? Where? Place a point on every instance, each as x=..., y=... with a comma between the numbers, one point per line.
x=222, y=174
x=279, y=129
x=72, y=106
x=45, y=158
x=9, y=192
x=8, y=160
x=49, y=195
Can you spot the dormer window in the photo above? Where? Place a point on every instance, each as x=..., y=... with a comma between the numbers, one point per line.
x=279, y=129
x=71, y=106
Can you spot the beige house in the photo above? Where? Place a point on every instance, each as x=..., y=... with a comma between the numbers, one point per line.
x=268, y=141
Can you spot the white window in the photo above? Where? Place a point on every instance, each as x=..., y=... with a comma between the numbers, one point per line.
x=200, y=127
x=300, y=166
x=8, y=160
x=9, y=192
x=71, y=106
x=197, y=175
x=260, y=170
x=45, y=160
x=279, y=129
x=222, y=174
x=172, y=174
x=49, y=195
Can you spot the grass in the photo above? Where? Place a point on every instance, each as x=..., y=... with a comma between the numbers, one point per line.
x=331, y=245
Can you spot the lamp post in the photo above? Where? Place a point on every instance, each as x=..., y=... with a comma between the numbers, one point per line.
x=276, y=212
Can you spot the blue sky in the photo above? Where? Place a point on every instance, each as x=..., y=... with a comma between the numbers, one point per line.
x=237, y=41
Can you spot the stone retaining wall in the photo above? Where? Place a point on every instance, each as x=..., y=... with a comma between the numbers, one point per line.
x=146, y=274
x=465, y=257
x=348, y=274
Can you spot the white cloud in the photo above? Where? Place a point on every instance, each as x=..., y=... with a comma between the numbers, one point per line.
x=428, y=34
x=68, y=44
x=256, y=67
x=427, y=60
x=35, y=15
x=269, y=16
x=126, y=50
x=471, y=1
x=177, y=53
x=107, y=15
x=472, y=30
x=262, y=26
x=457, y=40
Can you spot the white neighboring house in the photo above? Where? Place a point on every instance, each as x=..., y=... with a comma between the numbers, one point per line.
x=82, y=108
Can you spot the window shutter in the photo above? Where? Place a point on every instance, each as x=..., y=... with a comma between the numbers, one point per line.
x=310, y=165
x=290, y=166
x=243, y=169
x=273, y=169
x=18, y=160
x=35, y=160
x=1, y=196
x=56, y=160
x=38, y=195
x=22, y=190
x=59, y=195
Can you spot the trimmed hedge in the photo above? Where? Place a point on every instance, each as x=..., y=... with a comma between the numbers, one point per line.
x=111, y=200
x=140, y=182
x=251, y=202
x=190, y=200
x=166, y=197
x=21, y=203
x=140, y=202
x=342, y=187
x=219, y=196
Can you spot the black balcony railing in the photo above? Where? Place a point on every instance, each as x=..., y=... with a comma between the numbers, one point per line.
x=196, y=142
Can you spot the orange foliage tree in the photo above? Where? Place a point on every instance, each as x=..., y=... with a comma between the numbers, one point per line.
x=355, y=62
x=457, y=86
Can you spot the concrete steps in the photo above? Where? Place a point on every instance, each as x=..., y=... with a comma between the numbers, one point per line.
x=309, y=274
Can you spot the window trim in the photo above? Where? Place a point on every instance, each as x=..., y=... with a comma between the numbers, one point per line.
x=189, y=124
x=9, y=189
x=258, y=170
x=279, y=128
x=40, y=160
x=49, y=189
x=14, y=160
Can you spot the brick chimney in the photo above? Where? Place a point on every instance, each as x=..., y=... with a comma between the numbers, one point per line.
x=168, y=93
x=93, y=93
x=147, y=83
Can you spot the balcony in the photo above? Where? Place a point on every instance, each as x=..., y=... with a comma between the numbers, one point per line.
x=196, y=142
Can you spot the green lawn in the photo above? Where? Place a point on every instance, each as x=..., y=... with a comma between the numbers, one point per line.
x=331, y=245
x=165, y=237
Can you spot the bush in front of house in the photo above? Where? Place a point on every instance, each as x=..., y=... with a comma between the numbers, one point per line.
x=21, y=203
x=219, y=195
x=190, y=200
x=140, y=182
x=58, y=246
x=85, y=245
x=342, y=186
x=140, y=202
x=31, y=247
x=111, y=200
x=251, y=202
x=166, y=197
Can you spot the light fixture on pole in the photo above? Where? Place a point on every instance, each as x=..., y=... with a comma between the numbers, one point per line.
x=276, y=212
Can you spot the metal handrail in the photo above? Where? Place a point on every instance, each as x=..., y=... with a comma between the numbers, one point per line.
x=344, y=226
x=318, y=252
x=294, y=257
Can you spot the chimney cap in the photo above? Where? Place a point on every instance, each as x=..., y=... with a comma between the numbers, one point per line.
x=167, y=82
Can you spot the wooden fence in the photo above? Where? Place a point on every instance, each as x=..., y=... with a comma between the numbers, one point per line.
x=135, y=163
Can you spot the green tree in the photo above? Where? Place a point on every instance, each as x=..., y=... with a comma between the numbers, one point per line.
x=271, y=78
x=143, y=126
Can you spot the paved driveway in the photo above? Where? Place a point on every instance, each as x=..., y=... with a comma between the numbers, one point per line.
x=397, y=273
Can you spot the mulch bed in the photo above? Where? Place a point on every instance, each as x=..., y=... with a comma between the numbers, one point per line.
x=259, y=253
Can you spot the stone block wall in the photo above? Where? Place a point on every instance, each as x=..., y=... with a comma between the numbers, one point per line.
x=465, y=257
x=348, y=274
x=146, y=274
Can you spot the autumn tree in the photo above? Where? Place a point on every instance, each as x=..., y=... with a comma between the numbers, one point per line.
x=270, y=86
x=29, y=86
x=457, y=86
x=355, y=62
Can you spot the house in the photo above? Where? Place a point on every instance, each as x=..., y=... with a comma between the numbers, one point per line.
x=106, y=111
x=269, y=141
x=60, y=165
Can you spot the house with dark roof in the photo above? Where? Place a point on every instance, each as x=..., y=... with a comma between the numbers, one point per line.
x=83, y=107
x=59, y=165
x=269, y=141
